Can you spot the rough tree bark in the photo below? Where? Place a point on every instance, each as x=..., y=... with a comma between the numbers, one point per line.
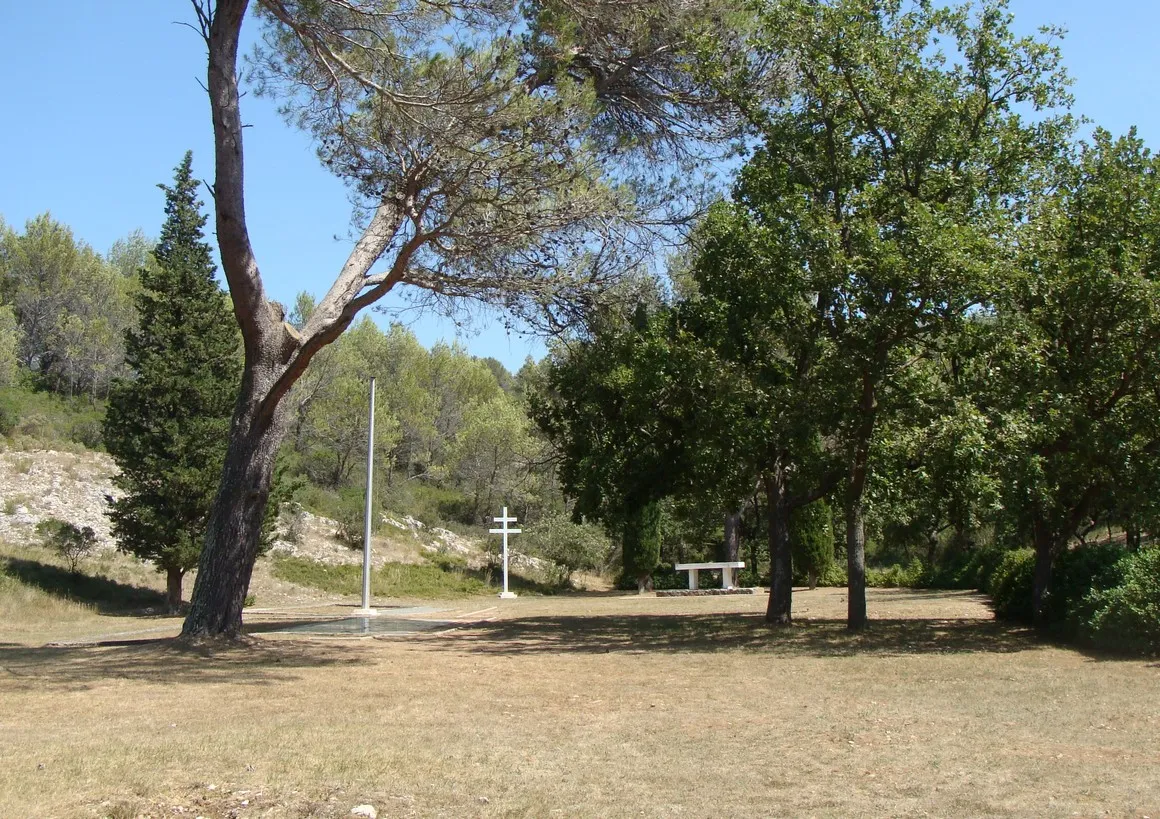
x=856, y=619
x=1045, y=549
x=275, y=353
x=855, y=565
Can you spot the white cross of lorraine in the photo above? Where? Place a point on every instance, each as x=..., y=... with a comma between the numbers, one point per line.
x=505, y=531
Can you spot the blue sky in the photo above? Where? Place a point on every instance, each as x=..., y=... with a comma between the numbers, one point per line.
x=101, y=99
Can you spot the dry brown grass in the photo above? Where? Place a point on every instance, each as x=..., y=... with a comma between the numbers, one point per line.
x=595, y=705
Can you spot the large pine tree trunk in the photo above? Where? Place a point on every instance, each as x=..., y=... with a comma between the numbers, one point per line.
x=779, y=611
x=855, y=565
x=234, y=531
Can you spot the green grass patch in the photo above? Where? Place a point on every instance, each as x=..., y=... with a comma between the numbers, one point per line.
x=390, y=580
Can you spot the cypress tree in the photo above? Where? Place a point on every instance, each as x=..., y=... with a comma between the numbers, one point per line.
x=168, y=425
x=641, y=543
x=811, y=540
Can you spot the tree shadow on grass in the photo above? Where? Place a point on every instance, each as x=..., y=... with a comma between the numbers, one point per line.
x=730, y=632
x=108, y=596
x=79, y=667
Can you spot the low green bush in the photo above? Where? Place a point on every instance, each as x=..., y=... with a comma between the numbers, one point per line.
x=1126, y=617
x=447, y=561
x=835, y=575
x=1011, y=585
x=897, y=576
x=749, y=578
x=965, y=570
x=1076, y=576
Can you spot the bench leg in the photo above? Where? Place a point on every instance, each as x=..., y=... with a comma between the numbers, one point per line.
x=727, y=577
x=694, y=580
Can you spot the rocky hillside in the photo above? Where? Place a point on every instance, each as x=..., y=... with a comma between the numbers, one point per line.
x=40, y=484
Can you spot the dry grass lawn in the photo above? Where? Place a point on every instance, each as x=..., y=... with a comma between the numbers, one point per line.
x=597, y=705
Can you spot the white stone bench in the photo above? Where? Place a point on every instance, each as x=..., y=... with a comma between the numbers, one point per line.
x=727, y=572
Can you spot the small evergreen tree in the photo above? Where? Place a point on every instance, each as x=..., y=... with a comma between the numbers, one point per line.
x=642, y=543
x=811, y=540
x=167, y=427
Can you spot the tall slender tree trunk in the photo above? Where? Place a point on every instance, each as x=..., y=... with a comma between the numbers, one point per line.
x=855, y=565
x=234, y=531
x=731, y=547
x=173, y=578
x=779, y=611
x=1132, y=536
x=856, y=619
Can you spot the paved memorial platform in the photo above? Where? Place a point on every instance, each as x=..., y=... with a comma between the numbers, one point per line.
x=360, y=626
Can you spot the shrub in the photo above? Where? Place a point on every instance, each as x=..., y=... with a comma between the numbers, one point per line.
x=811, y=541
x=570, y=546
x=964, y=569
x=9, y=416
x=350, y=515
x=68, y=541
x=749, y=578
x=447, y=561
x=1127, y=616
x=1076, y=576
x=835, y=575
x=1011, y=585
x=896, y=576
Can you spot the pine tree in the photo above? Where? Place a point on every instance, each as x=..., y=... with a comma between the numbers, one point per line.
x=167, y=427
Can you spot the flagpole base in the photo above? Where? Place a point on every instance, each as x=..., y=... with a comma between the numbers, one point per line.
x=508, y=595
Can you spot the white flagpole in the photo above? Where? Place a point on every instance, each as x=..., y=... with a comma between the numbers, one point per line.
x=366, y=610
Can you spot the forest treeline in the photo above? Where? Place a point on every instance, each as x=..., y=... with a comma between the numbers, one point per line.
x=453, y=443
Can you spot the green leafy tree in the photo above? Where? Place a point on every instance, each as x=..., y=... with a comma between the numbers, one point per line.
x=331, y=432
x=71, y=542
x=1072, y=373
x=167, y=427
x=9, y=345
x=570, y=545
x=71, y=305
x=625, y=414
x=892, y=182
